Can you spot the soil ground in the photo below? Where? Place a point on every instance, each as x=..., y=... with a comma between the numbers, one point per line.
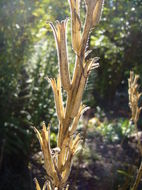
x=105, y=165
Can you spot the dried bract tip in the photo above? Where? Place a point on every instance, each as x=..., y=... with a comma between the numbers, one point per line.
x=67, y=187
x=37, y=184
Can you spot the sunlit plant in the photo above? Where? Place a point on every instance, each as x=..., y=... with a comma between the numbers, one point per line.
x=134, y=97
x=58, y=161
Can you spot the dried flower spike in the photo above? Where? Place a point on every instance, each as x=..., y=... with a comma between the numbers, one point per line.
x=58, y=161
x=134, y=96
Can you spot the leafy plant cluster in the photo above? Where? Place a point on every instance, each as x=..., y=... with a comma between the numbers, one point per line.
x=118, y=41
x=25, y=95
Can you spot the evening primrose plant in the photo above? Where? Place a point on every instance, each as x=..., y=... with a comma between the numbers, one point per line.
x=134, y=100
x=58, y=161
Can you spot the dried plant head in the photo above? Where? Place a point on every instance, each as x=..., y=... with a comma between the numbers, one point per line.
x=134, y=96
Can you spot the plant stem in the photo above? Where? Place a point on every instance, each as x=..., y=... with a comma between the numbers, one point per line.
x=138, y=178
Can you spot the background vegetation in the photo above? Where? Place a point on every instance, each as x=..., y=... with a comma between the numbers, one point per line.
x=28, y=56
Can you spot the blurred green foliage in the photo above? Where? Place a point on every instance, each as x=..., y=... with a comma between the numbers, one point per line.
x=27, y=57
x=116, y=130
x=118, y=42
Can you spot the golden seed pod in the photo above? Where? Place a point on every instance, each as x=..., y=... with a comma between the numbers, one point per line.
x=97, y=13
x=76, y=24
x=94, y=9
x=61, y=44
x=58, y=97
